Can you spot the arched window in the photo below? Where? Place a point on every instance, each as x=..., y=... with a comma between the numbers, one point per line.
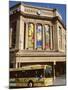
x=30, y=35
x=39, y=41
x=47, y=37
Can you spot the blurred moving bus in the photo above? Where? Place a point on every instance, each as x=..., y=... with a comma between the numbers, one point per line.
x=31, y=76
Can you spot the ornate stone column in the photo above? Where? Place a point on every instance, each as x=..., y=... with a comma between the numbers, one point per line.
x=21, y=34
x=19, y=64
x=10, y=37
x=55, y=39
x=17, y=32
x=51, y=38
x=35, y=37
x=26, y=36
x=43, y=38
x=16, y=65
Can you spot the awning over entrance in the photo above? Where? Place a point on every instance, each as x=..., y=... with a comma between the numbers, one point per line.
x=40, y=59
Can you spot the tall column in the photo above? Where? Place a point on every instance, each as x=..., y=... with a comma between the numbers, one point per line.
x=54, y=37
x=19, y=64
x=54, y=63
x=10, y=37
x=17, y=32
x=43, y=39
x=16, y=65
x=55, y=41
x=57, y=35
x=51, y=41
x=26, y=36
x=35, y=37
x=21, y=34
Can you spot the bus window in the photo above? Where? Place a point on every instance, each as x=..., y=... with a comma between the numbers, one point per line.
x=39, y=73
x=29, y=73
x=33, y=73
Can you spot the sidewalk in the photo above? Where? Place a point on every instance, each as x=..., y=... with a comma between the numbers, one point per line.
x=60, y=80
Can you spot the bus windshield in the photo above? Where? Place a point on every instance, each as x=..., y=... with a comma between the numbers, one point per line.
x=48, y=72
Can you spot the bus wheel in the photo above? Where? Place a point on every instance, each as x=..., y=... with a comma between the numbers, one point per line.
x=30, y=84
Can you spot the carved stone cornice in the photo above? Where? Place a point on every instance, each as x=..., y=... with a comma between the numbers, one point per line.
x=41, y=53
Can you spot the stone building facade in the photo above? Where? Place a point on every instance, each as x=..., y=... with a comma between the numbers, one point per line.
x=37, y=36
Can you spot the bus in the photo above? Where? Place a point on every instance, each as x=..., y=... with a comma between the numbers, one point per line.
x=31, y=76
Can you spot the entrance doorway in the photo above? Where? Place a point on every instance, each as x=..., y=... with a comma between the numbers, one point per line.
x=60, y=68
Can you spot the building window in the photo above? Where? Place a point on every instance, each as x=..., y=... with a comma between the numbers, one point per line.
x=47, y=36
x=30, y=35
x=13, y=28
x=39, y=36
x=60, y=38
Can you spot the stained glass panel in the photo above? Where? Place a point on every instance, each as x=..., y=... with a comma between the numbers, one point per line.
x=47, y=36
x=31, y=35
x=39, y=36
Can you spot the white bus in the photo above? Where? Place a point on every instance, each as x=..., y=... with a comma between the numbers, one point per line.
x=31, y=76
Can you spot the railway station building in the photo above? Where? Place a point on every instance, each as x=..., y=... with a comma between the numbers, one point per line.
x=37, y=36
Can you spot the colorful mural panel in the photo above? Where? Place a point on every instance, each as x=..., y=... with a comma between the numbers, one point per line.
x=39, y=36
x=31, y=35
x=47, y=37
